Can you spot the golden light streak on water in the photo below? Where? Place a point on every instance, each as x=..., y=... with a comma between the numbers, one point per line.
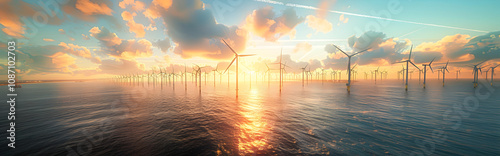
x=253, y=127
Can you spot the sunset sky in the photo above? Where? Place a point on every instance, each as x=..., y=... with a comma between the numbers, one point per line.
x=80, y=39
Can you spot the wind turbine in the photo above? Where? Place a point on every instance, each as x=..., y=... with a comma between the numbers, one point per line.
x=282, y=69
x=236, y=57
x=268, y=71
x=375, y=72
x=445, y=69
x=303, y=72
x=458, y=72
x=215, y=70
x=173, y=77
x=349, y=66
x=425, y=69
x=493, y=73
x=475, y=72
x=407, y=67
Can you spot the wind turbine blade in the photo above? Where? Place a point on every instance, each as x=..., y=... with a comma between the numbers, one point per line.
x=411, y=49
x=447, y=70
x=229, y=47
x=432, y=61
x=360, y=52
x=230, y=64
x=354, y=67
x=431, y=68
x=414, y=65
x=447, y=64
x=340, y=49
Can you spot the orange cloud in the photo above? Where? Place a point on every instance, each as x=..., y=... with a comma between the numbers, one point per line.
x=263, y=23
x=136, y=5
x=119, y=48
x=447, y=46
x=343, y=19
x=319, y=24
x=165, y=4
x=324, y=5
x=10, y=12
x=80, y=51
x=136, y=28
x=156, y=7
x=110, y=39
x=91, y=8
x=127, y=16
x=48, y=40
x=62, y=60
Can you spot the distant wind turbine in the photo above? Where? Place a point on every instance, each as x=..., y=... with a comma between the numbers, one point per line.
x=303, y=72
x=475, y=72
x=493, y=73
x=445, y=69
x=349, y=66
x=425, y=69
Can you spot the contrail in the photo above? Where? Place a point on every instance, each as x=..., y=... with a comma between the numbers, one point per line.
x=411, y=32
x=367, y=16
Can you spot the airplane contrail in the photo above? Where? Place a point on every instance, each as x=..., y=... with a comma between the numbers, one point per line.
x=366, y=16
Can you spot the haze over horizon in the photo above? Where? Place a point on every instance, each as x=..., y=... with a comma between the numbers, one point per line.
x=93, y=40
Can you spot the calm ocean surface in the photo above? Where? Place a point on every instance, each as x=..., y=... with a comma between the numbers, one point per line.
x=105, y=118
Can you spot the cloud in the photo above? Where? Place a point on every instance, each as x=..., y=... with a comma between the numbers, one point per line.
x=448, y=45
x=42, y=59
x=319, y=24
x=195, y=31
x=483, y=47
x=119, y=48
x=263, y=23
x=14, y=14
x=120, y=67
x=80, y=51
x=136, y=28
x=343, y=19
x=135, y=5
x=164, y=44
x=382, y=51
x=463, y=49
x=90, y=8
x=105, y=36
x=324, y=6
x=63, y=61
x=11, y=13
x=48, y=40
x=302, y=47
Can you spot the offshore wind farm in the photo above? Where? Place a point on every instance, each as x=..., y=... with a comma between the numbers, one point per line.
x=259, y=77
